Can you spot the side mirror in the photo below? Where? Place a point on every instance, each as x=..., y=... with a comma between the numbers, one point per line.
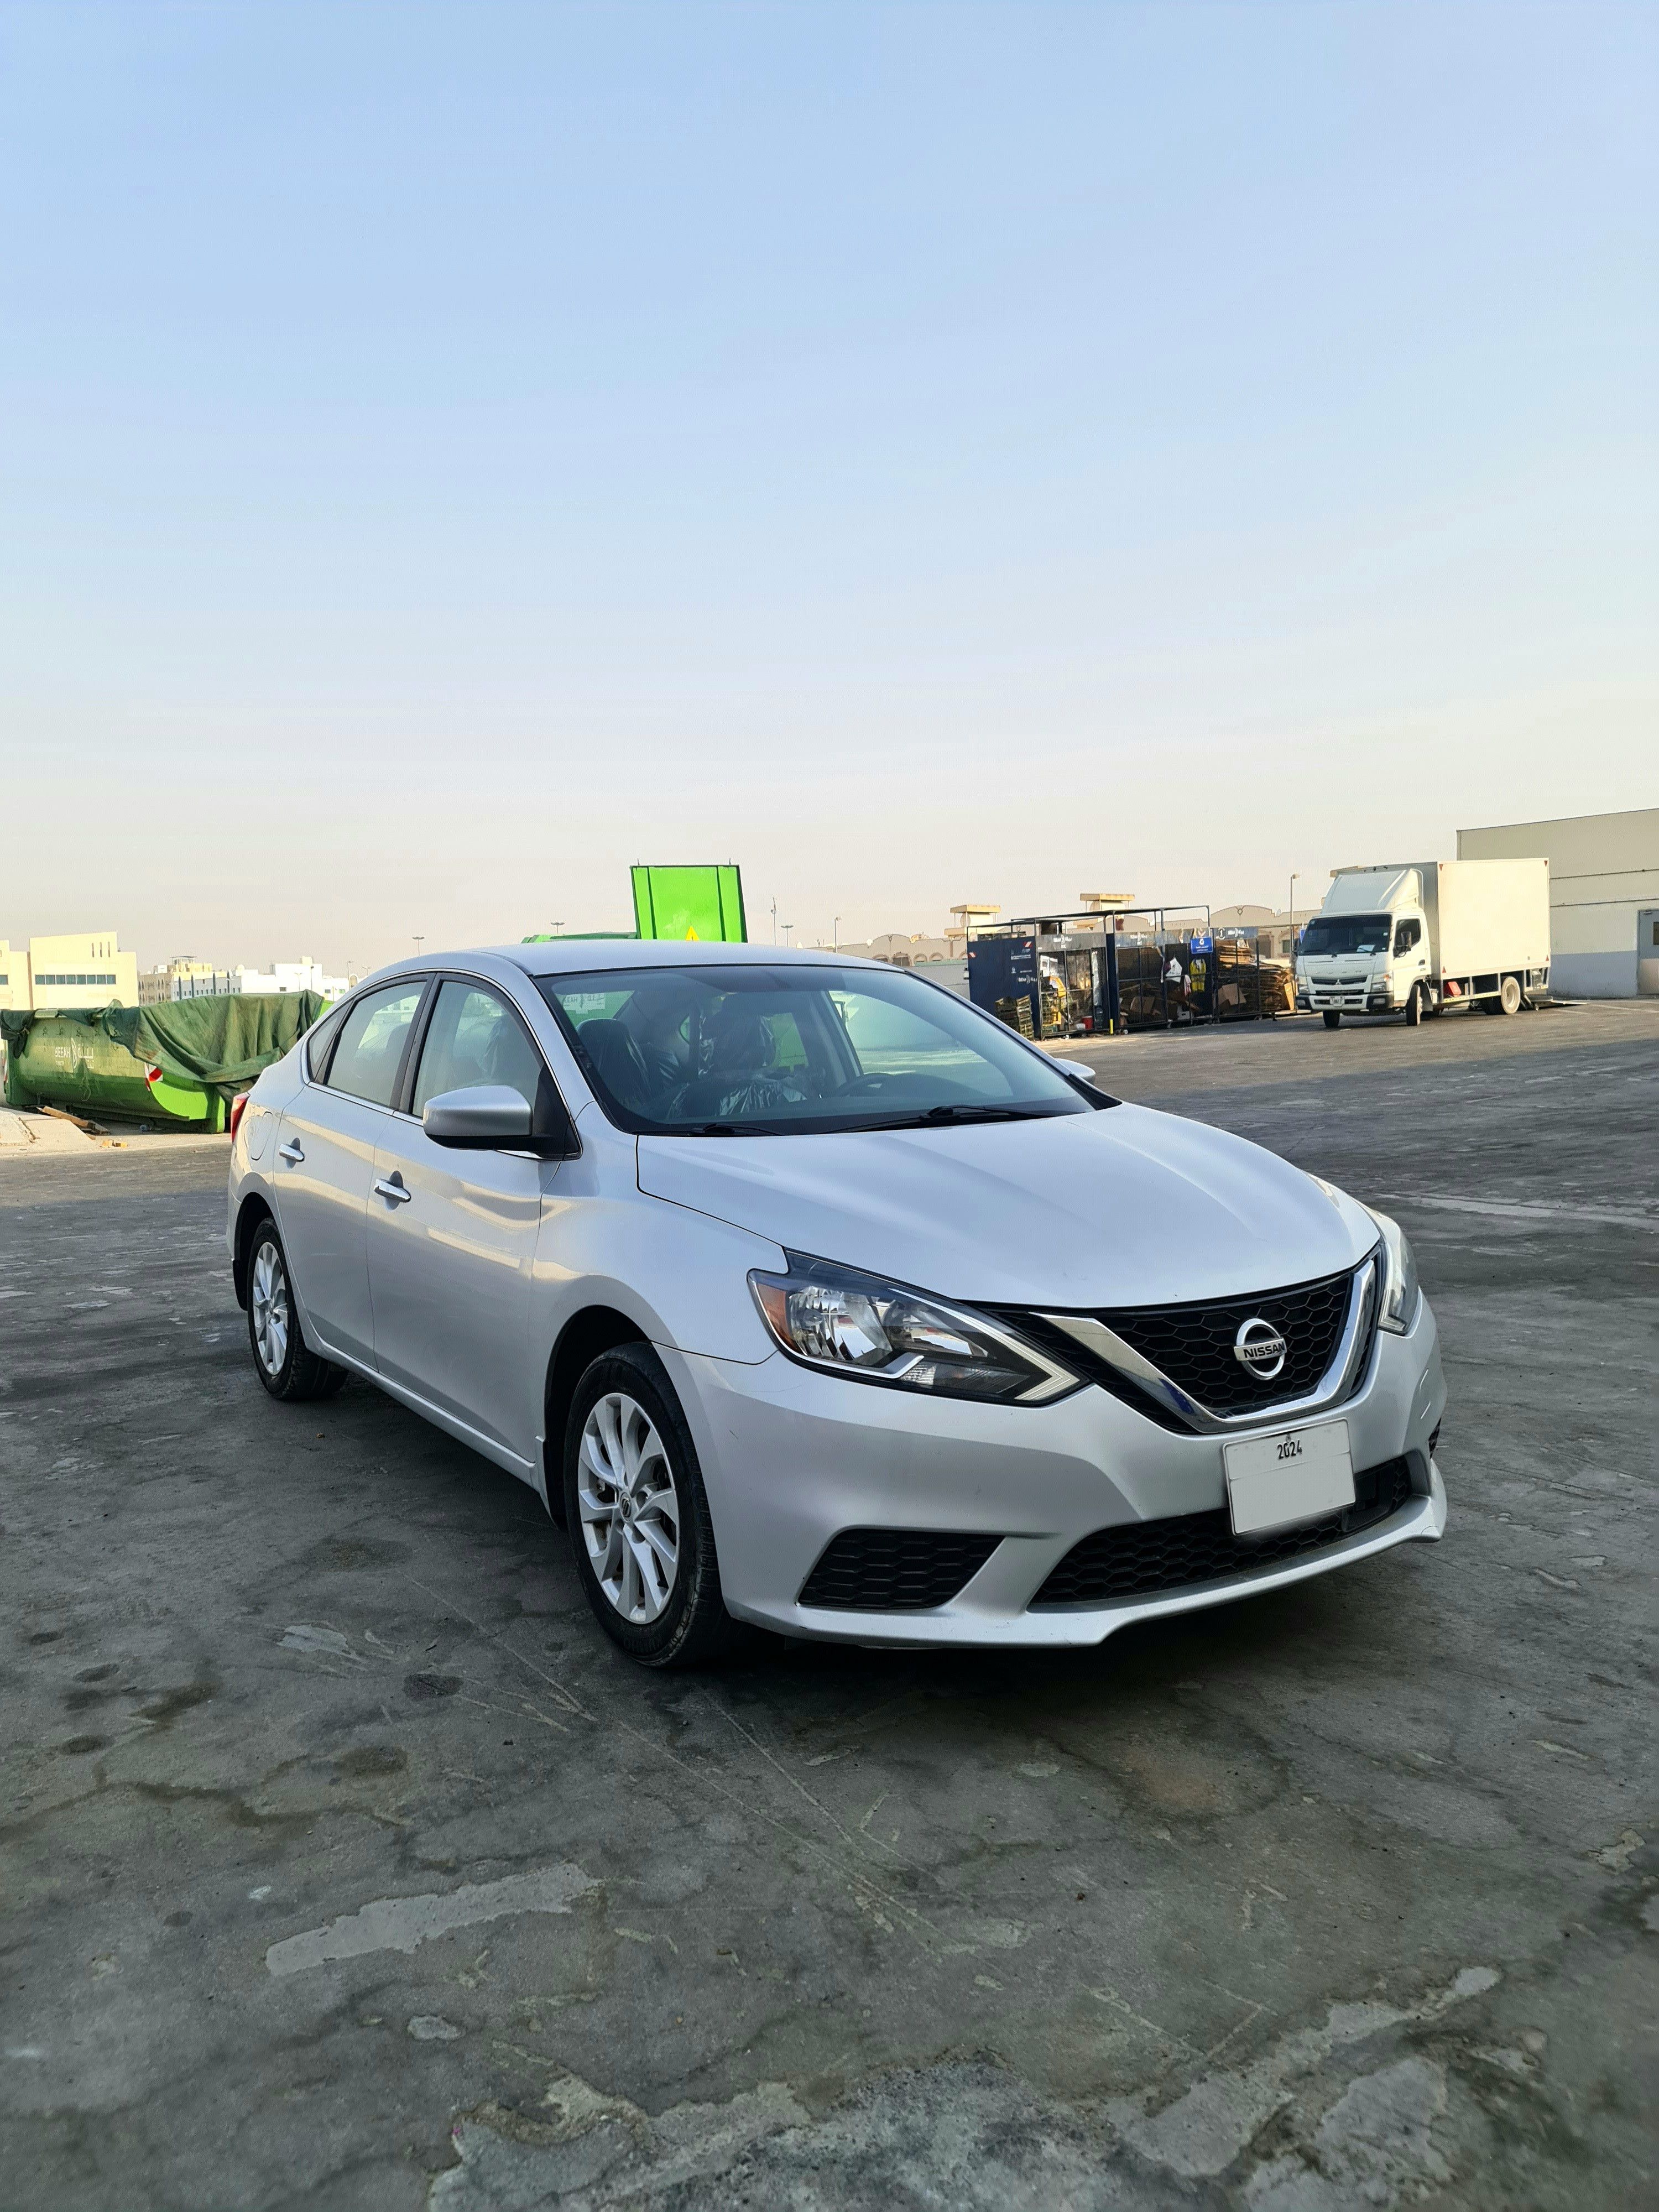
x=489, y=1119
x=1079, y=1073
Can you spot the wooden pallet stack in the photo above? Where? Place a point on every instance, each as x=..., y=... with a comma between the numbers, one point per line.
x=1248, y=988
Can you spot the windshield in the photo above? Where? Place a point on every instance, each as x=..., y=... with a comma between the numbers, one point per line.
x=1346, y=934
x=729, y=1051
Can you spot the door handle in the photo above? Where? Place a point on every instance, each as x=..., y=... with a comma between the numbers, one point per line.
x=393, y=1187
x=293, y=1152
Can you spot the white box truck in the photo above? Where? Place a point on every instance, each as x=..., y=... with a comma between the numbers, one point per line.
x=1415, y=937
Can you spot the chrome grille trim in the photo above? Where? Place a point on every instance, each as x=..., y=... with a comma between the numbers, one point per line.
x=1341, y=1378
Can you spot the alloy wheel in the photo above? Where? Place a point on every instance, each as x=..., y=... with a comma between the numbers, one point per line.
x=268, y=1302
x=629, y=1507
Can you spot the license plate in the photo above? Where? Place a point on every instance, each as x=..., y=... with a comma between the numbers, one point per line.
x=1294, y=1476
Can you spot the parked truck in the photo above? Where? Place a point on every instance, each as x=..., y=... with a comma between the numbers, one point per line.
x=1415, y=937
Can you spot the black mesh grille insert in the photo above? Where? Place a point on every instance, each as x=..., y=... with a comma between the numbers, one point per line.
x=1141, y=1558
x=1193, y=1344
x=894, y=1570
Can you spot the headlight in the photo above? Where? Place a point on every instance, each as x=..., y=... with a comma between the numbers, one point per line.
x=1400, y=1293
x=847, y=1324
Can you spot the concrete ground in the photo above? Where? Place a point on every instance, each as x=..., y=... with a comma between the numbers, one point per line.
x=344, y=1863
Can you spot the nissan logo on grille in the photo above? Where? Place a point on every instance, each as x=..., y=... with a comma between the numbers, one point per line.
x=1259, y=1347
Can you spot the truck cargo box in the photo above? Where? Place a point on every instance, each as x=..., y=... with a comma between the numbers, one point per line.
x=1490, y=915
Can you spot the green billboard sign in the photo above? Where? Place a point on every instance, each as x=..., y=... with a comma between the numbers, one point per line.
x=702, y=902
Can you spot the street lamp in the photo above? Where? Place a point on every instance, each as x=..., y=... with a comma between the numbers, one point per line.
x=787, y=926
x=775, y=921
x=1295, y=879
x=835, y=933
x=419, y=942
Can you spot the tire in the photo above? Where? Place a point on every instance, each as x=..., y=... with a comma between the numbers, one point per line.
x=652, y=1578
x=1509, y=996
x=283, y=1360
x=1331, y=1019
x=1414, y=1007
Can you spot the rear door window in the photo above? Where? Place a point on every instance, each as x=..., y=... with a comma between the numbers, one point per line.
x=321, y=1041
x=369, y=1056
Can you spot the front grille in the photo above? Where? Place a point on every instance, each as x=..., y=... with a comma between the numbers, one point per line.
x=894, y=1570
x=1141, y=1558
x=1193, y=1344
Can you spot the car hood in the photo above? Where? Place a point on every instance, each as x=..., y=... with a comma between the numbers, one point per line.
x=1120, y=1207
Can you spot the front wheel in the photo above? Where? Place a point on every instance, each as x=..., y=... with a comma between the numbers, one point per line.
x=1332, y=1021
x=1414, y=1007
x=638, y=1516
x=283, y=1361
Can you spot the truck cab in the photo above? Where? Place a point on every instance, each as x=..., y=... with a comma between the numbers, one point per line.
x=1363, y=963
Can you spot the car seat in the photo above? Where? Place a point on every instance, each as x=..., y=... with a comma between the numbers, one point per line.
x=616, y=1062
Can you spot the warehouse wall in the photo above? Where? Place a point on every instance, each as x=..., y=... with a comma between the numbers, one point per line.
x=1604, y=871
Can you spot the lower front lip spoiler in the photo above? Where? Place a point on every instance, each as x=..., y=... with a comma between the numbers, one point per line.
x=985, y=1615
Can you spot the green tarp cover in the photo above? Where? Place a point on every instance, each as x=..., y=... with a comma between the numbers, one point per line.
x=220, y=1043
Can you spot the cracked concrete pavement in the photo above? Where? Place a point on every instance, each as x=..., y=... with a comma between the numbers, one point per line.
x=346, y=1863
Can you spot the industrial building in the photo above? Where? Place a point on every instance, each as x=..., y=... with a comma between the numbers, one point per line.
x=1604, y=896
x=88, y=969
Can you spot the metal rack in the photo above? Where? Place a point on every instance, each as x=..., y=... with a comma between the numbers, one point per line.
x=1093, y=974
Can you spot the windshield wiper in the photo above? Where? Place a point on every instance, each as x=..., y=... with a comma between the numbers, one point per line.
x=942, y=1117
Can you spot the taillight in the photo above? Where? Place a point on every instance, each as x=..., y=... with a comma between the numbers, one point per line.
x=238, y=1108
x=152, y=1075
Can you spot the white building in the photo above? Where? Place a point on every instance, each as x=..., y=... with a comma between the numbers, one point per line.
x=184, y=978
x=1604, y=896
x=301, y=974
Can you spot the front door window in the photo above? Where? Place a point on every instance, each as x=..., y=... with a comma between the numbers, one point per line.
x=475, y=1042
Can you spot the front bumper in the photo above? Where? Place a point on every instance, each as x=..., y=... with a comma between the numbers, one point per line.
x=791, y=1458
x=1328, y=998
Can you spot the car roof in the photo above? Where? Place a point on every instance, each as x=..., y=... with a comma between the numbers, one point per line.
x=588, y=956
x=577, y=956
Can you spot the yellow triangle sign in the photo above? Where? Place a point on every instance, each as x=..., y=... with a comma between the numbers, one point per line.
x=692, y=932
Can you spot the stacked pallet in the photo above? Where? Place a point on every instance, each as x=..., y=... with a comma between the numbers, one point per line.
x=1247, y=988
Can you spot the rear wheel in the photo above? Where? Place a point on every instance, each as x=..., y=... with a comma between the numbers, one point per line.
x=283, y=1360
x=638, y=1516
x=1509, y=995
x=1332, y=1021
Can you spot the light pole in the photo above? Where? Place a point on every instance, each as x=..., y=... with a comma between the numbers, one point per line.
x=787, y=926
x=419, y=942
x=835, y=933
x=775, y=921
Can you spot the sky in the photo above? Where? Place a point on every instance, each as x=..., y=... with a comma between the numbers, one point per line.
x=922, y=453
